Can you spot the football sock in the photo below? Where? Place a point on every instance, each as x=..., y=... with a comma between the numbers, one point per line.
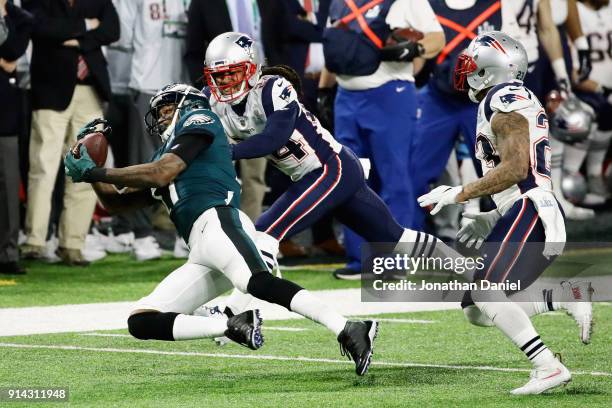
x=309, y=306
x=597, y=152
x=187, y=327
x=237, y=301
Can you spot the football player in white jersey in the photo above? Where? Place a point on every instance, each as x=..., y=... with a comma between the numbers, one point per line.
x=512, y=146
x=596, y=19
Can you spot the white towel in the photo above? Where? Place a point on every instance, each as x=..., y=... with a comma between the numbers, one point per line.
x=552, y=218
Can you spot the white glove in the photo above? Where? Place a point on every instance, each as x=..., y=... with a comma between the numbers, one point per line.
x=478, y=227
x=442, y=195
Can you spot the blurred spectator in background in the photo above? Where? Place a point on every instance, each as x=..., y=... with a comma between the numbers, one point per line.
x=69, y=84
x=156, y=31
x=266, y=21
x=375, y=107
x=18, y=25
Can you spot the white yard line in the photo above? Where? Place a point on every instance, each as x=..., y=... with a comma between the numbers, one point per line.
x=278, y=358
x=265, y=328
x=390, y=320
x=113, y=316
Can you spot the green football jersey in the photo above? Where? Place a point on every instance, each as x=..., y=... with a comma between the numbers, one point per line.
x=208, y=181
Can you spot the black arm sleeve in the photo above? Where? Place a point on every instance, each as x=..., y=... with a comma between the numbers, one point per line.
x=188, y=146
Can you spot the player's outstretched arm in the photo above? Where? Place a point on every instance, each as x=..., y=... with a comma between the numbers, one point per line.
x=512, y=132
x=120, y=201
x=156, y=174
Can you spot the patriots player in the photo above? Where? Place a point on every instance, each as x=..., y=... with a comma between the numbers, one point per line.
x=512, y=146
x=193, y=175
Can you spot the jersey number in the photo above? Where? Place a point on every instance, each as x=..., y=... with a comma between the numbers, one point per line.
x=487, y=151
x=542, y=152
x=598, y=47
x=525, y=15
x=290, y=149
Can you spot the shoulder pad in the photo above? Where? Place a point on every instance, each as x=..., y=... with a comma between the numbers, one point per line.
x=199, y=121
x=508, y=97
x=276, y=94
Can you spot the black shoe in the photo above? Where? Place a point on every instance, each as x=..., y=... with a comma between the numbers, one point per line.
x=245, y=329
x=12, y=268
x=357, y=342
x=347, y=274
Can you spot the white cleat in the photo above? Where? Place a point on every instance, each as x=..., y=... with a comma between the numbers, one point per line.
x=216, y=312
x=119, y=244
x=544, y=379
x=146, y=249
x=580, y=307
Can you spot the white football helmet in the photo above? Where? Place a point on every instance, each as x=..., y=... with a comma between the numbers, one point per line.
x=232, y=52
x=492, y=58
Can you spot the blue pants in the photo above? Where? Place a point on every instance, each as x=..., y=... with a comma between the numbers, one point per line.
x=338, y=188
x=442, y=120
x=513, y=249
x=378, y=124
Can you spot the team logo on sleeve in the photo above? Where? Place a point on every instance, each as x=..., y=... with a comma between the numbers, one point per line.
x=286, y=93
x=199, y=119
x=509, y=98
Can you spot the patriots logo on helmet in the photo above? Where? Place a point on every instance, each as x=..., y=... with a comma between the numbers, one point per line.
x=244, y=42
x=488, y=41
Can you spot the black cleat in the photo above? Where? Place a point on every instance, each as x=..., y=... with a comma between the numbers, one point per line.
x=357, y=342
x=245, y=329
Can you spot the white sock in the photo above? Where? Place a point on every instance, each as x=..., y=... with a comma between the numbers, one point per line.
x=187, y=327
x=515, y=324
x=237, y=301
x=307, y=305
x=598, y=147
x=573, y=157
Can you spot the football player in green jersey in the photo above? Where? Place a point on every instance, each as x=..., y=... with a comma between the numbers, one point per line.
x=193, y=175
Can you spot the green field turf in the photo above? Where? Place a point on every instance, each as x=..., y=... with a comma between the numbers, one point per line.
x=445, y=363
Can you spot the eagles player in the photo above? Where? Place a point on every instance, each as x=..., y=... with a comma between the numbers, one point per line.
x=512, y=146
x=193, y=175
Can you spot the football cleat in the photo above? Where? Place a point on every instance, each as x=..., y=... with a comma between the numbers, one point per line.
x=545, y=378
x=580, y=307
x=357, y=342
x=215, y=311
x=245, y=329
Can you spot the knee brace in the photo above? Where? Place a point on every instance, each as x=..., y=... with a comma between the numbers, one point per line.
x=152, y=325
x=268, y=287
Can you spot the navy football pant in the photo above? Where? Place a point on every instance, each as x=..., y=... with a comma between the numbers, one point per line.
x=513, y=249
x=338, y=188
x=442, y=120
x=378, y=124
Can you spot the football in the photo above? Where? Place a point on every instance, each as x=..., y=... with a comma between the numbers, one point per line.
x=404, y=34
x=96, y=145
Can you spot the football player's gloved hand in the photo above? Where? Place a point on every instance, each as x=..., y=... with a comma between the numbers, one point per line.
x=79, y=169
x=404, y=51
x=92, y=127
x=584, y=70
x=325, y=105
x=441, y=196
x=477, y=228
x=564, y=87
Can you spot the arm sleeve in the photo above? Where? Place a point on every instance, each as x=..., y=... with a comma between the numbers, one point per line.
x=278, y=130
x=106, y=33
x=19, y=23
x=189, y=145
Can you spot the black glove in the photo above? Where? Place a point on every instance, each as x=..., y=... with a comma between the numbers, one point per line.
x=325, y=105
x=404, y=51
x=91, y=127
x=584, y=58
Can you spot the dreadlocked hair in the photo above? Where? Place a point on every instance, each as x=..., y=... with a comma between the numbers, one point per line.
x=286, y=72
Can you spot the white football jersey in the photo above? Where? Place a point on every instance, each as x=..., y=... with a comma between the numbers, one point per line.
x=597, y=27
x=514, y=97
x=309, y=146
x=519, y=20
x=158, y=35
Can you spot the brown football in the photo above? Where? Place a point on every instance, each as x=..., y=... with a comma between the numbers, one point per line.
x=96, y=145
x=404, y=34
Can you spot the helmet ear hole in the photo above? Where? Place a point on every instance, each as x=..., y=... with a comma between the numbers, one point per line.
x=481, y=73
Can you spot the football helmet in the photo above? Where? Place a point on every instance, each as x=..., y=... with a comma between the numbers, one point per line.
x=183, y=97
x=232, y=53
x=492, y=58
x=570, y=118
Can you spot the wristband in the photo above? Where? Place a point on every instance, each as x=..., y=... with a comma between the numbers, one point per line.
x=581, y=43
x=558, y=67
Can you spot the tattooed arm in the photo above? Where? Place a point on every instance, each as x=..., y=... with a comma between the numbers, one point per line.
x=512, y=131
x=115, y=202
x=159, y=173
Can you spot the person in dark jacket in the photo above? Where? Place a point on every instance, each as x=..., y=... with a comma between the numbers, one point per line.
x=18, y=23
x=70, y=82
